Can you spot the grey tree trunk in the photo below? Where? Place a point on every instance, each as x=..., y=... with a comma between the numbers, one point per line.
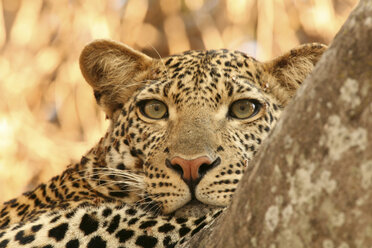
x=311, y=184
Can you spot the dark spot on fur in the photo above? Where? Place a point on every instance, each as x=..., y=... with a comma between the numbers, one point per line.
x=73, y=244
x=146, y=241
x=55, y=219
x=97, y=242
x=23, y=239
x=4, y=243
x=124, y=234
x=166, y=228
x=36, y=228
x=106, y=212
x=181, y=220
x=120, y=166
x=58, y=232
x=5, y=223
x=88, y=224
x=132, y=221
x=114, y=224
x=183, y=231
x=131, y=211
x=70, y=214
x=147, y=224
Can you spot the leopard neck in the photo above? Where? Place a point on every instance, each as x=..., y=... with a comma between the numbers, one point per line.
x=81, y=183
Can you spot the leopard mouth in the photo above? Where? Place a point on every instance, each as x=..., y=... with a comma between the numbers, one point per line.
x=195, y=202
x=192, y=183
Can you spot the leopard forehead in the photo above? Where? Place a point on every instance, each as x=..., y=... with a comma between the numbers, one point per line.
x=205, y=78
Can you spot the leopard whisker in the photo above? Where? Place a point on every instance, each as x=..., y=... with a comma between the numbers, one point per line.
x=161, y=60
x=111, y=183
x=134, y=184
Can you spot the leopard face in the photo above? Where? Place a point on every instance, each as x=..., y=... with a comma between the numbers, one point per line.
x=187, y=126
x=195, y=135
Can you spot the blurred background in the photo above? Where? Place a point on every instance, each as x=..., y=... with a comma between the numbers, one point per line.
x=48, y=116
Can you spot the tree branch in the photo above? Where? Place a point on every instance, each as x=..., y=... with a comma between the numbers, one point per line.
x=312, y=185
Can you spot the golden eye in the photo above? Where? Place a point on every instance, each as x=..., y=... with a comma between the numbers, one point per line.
x=153, y=109
x=244, y=108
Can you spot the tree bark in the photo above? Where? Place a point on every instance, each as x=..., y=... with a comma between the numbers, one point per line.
x=311, y=184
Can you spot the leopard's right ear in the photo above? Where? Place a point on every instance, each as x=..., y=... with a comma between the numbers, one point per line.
x=287, y=72
x=114, y=71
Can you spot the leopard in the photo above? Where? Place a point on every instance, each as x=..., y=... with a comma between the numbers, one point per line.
x=183, y=131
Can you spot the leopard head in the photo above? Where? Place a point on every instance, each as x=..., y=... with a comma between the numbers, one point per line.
x=188, y=125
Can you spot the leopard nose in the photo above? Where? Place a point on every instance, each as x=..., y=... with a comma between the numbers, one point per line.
x=190, y=170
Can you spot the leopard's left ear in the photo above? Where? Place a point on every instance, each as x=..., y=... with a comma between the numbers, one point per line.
x=114, y=71
x=287, y=72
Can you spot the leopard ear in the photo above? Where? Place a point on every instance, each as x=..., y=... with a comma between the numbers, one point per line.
x=287, y=72
x=114, y=71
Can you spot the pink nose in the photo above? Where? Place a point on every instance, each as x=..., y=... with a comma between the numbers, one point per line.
x=190, y=168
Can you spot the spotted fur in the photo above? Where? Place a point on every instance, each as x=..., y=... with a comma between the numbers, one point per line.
x=130, y=169
x=105, y=226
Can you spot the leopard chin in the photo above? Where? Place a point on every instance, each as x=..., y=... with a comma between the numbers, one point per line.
x=196, y=209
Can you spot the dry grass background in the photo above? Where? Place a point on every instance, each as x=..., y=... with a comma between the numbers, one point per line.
x=48, y=116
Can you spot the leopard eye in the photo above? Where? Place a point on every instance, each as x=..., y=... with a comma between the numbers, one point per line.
x=153, y=109
x=244, y=108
